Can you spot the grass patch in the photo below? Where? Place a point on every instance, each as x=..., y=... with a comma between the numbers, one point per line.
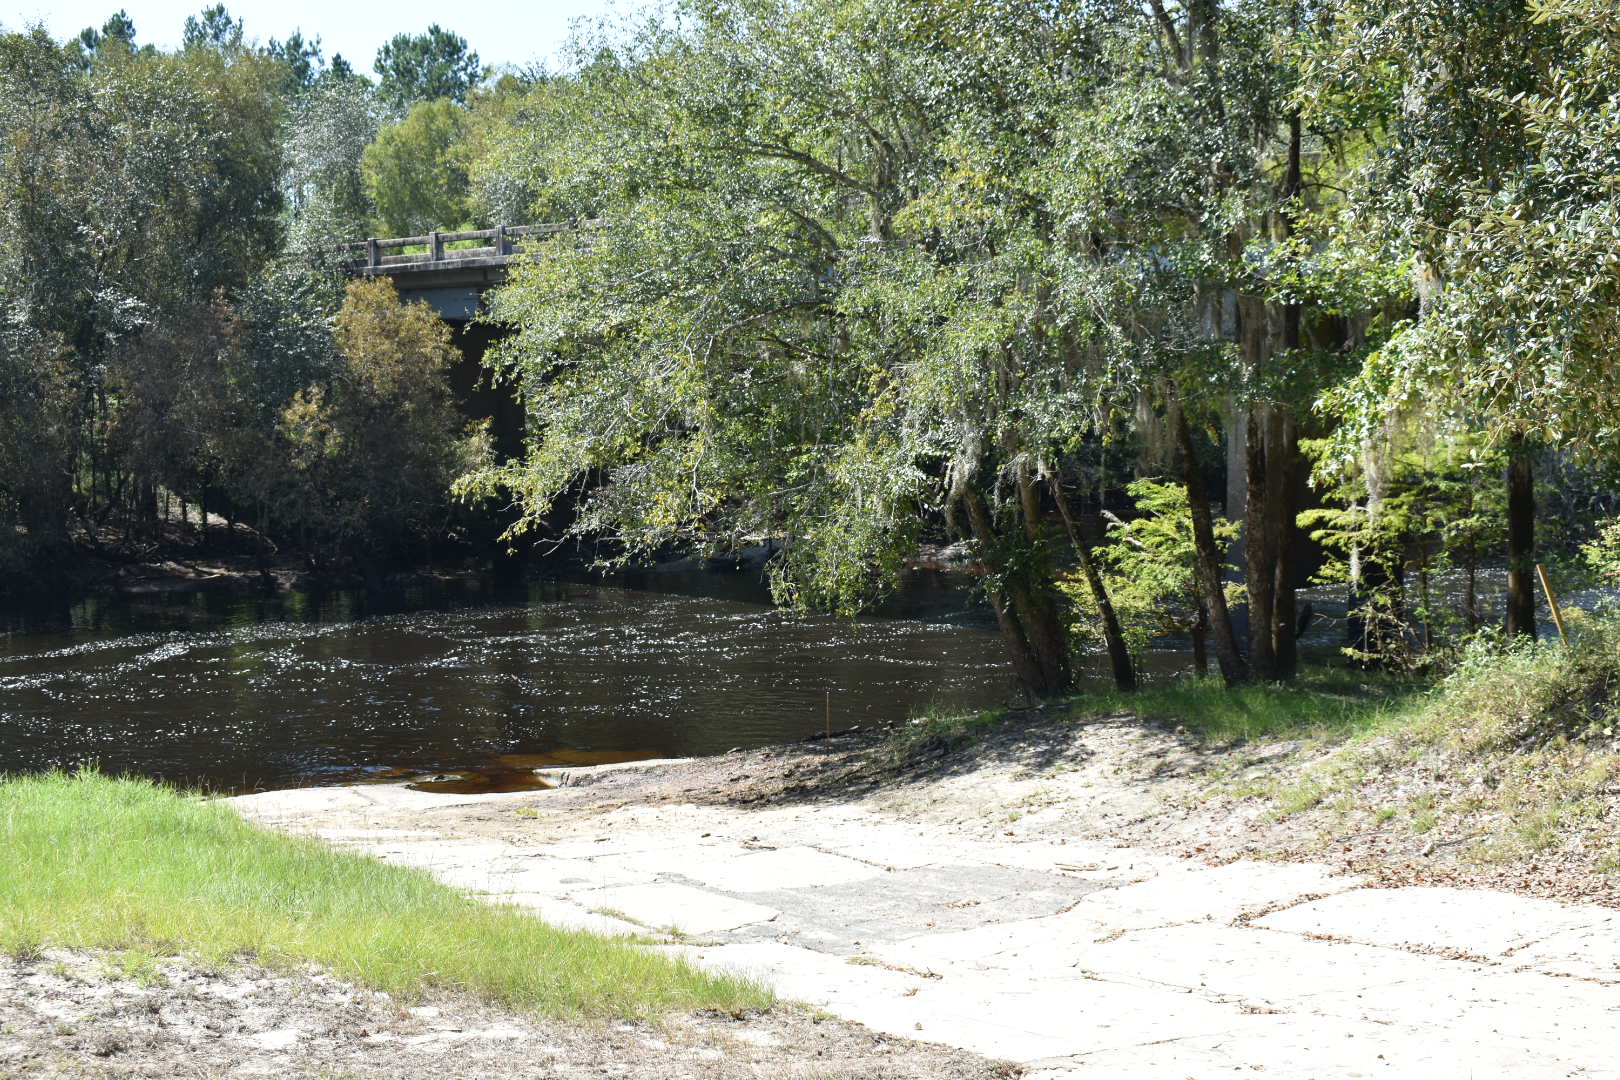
x=1297, y=798
x=1321, y=702
x=133, y=965
x=937, y=732
x=97, y=862
x=1515, y=751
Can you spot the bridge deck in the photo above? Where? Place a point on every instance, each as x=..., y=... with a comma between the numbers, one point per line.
x=492, y=249
x=449, y=278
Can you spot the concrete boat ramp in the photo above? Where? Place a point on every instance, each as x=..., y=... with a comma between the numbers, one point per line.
x=1073, y=959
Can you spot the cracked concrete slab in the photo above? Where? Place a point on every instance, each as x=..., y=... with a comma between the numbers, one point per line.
x=796, y=867
x=1489, y=1005
x=1077, y=959
x=1189, y=891
x=1489, y=924
x=928, y=899
x=1303, y=1048
x=680, y=907
x=1587, y=952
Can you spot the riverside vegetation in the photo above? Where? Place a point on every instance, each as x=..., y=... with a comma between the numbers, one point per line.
x=1504, y=770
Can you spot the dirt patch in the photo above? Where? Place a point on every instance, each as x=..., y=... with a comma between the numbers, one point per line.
x=71, y=1014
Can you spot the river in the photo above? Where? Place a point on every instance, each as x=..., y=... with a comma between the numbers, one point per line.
x=241, y=694
x=460, y=678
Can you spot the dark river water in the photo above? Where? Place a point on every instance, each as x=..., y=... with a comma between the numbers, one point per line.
x=243, y=694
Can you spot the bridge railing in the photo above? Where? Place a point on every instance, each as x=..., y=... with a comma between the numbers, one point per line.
x=496, y=244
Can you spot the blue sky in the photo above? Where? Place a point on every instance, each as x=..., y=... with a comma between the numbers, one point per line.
x=502, y=32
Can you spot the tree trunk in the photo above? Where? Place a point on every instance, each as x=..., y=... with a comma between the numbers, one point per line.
x=1266, y=493
x=1521, y=535
x=1471, y=593
x=1355, y=622
x=1030, y=675
x=1233, y=668
x=1260, y=542
x=1035, y=594
x=1046, y=633
x=1282, y=445
x=1119, y=655
x=1283, y=510
x=1424, y=617
x=1200, y=632
x=1376, y=615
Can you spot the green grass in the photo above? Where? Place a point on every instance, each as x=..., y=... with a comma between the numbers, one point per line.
x=87, y=861
x=1515, y=748
x=1321, y=702
x=944, y=729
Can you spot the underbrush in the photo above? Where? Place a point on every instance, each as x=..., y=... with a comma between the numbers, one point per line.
x=937, y=732
x=1533, y=694
x=124, y=865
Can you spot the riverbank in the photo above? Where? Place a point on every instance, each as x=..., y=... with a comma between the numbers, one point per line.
x=1374, y=775
x=1037, y=892
x=220, y=565
x=79, y=1014
x=1505, y=775
x=1200, y=881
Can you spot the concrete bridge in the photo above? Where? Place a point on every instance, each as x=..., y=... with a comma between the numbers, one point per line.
x=451, y=271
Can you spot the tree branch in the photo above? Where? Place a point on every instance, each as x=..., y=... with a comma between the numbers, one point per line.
x=1169, y=27
x=809, y=161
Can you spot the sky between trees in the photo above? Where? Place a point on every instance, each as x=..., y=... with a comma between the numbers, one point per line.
x=501, y=31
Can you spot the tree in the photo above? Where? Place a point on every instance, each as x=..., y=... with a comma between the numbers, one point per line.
x=1184, y=167
x=36, y=440
x=116, y=37
x=131, y=193
x=302, y=59
x=416, y=68
x=808, y=315
x=1491, y=178
x=503, y=116
x=119, y=29
x=414, y=173
x=324, y=141
x=374, y=448
x=1150, y=565
x=152, y=344
x=1425, y=507
x=342, y=71
x=213, y=29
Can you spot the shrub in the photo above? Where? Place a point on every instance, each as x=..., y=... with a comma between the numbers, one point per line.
x=1517, y=696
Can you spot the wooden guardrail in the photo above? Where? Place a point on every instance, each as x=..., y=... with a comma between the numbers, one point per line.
x=498, y=244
